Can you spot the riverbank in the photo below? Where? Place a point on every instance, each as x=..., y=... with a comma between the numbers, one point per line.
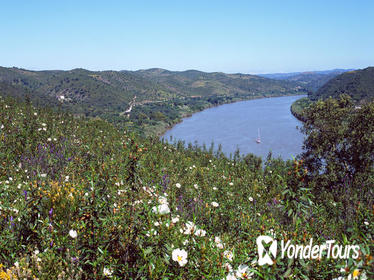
x=298, y=107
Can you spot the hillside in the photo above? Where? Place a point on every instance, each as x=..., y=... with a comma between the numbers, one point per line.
x=162, y=97
x=312, y=80
x=192, y=83
x=358, y=84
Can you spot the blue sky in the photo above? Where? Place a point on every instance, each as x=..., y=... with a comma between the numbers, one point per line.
x=250, y=36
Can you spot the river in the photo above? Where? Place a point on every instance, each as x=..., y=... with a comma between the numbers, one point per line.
x=236, y=125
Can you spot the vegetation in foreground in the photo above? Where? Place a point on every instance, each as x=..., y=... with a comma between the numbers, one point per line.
x=81, y=199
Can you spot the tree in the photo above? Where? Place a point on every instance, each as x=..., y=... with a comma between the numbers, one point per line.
x=339, y=148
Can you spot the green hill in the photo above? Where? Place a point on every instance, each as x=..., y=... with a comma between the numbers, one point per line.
x=162, y=97
x=358, y=84
x=192, y=83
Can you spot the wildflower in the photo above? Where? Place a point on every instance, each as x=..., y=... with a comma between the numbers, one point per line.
x=228, y=255
x=355, y=273
x=180, y=256
x=162, y=200
x=200, y=232
x=43, y=175
x=190, y=228
x=107, y=272
x=215, y=204
x=230, y=276
x=156, y=224
x=161, y=209
x=366, y=223
x=73, y=233
x=243, y=272
x=214, y=189
x=195, y=186
x=250, y=198
x=231, y=183
x=227, y=266
x=218, y=242
x=175, y=220
x=178, y=185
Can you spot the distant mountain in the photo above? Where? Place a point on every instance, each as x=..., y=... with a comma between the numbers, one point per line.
x=359, y=84
x=197, y=83
x=312, y=80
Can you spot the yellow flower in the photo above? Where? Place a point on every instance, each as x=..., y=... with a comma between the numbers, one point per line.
x=355, y=273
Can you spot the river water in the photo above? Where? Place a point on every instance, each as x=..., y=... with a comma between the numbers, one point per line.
x=236, y=126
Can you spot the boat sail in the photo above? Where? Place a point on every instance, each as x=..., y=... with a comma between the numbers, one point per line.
x=258, y=140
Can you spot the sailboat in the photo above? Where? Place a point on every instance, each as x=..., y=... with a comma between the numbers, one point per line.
x=258, y=140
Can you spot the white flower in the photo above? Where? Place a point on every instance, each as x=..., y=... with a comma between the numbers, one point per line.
x=250, y=198
x=162, y=200
x=243, y=272
x=215, y=204
x=36, y=252
x=218, y=242
x=227, y=266
x=43, y=175
x=156, y=224
x=73, y=233
x=161, y=209
x=200, y=232
x=231, y=183
x=190, y=228
x=175, y=220
x=195, y=186
x=107, y=272
x=214, y=189
x=230, y=276
x=180, y=256
x=178, y=185
x=228, y=255
x=366, y=223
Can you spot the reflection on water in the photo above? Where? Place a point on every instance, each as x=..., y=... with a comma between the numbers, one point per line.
x=236, y=126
